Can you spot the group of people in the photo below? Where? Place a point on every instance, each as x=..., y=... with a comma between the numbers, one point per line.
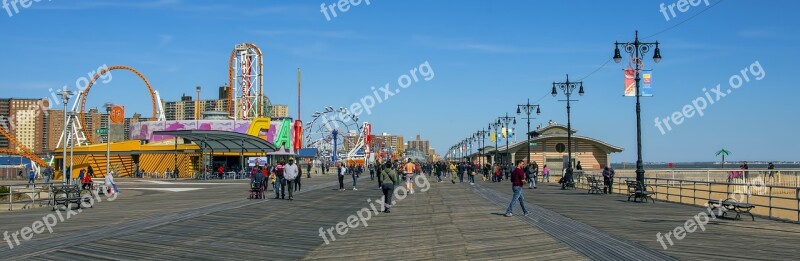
x=283, y=176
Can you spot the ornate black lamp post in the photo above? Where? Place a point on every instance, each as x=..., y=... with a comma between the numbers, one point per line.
x=567, y=88
x=528, y=108
x=505, y=120
x=637, y=50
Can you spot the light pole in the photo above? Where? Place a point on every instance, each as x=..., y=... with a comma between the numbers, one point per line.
x=528, y=108
x=197, y=109
x=505, y=120
x=637, y=50
x=65, y=94
x=108, y=106
x=496, y=125
x=482, y=135
x=568, y=87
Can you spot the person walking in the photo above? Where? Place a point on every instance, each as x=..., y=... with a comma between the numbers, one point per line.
x=341, y=169
x=770, y=171
x=517, y=180
x=31, y=178
x=545, y=174
x=409, y=175
x=389, y=179
x=280, y=181
x=308, y=169
x=290, y=173
x=534, y=174
x=530, y=176
x=110, y=184
x=299, y=176
x=48, y=172
x=355, y=174
x=608, y=180
x=80, y=175
x=453, y=170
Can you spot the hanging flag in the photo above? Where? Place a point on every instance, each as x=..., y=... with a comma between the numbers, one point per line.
x=630, y=83
x=647, y=78
x=493, y=136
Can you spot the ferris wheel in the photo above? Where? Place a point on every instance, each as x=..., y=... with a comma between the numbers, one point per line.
x=334, y=130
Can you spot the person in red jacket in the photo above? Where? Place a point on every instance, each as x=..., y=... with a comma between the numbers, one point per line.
x=517, y=180
x=87, y=181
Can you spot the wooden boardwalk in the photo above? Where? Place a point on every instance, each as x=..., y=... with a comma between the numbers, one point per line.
x=213, y=221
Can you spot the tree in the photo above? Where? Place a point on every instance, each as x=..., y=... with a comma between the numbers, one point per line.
x=723, y=153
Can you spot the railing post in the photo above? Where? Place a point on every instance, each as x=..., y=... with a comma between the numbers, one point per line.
x=680, y=191
x=694, y=192
x=770, y=201
x=11, y=202
x=33, y=191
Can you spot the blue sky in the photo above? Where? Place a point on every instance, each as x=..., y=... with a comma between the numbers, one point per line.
x=487, y=57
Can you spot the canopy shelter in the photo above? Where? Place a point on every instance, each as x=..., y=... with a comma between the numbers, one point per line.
x=223, y=141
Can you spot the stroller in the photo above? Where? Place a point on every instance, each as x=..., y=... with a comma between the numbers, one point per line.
x=256, y=189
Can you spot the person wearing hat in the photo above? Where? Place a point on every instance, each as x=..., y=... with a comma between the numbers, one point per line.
x=290, y=173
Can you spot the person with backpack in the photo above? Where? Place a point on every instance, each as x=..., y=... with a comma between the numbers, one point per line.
x=608, y=179
x=280, y=182
x=389, y=178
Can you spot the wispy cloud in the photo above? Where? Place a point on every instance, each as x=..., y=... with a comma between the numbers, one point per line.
x=311, y=33
x=34, y=85
x=496, y=48
x=754, y=33
x=164, y=40
x=84, y=5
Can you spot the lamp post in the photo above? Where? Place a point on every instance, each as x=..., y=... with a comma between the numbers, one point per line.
x=568, y=87
x=637, y=50
x=108, y=106
x=65, y=94
x=528, y=108
x=197, y=109
x=505, y=120
x=482, y=135
x=496, y=126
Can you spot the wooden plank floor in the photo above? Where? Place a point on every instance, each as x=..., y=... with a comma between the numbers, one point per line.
x=451, y=222
x=639, y=222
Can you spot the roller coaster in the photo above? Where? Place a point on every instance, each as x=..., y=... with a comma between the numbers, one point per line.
x=245, y=84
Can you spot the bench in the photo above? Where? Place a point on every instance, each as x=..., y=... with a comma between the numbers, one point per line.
x=65, y=195
x=731, y=204
x=639, y=191
x=594, y=185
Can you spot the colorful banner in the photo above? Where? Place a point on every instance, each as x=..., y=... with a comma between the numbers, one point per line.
x=493, y=137
x=630, y=83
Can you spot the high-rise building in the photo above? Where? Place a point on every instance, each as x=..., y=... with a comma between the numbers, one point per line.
x=280, y=111
x=420, y=145
x=23, y=119
x=391, y=144
x=184, y=109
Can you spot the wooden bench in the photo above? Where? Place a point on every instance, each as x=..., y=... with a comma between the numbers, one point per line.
x=731, y=204
x=594, y=185
x=639, y=191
